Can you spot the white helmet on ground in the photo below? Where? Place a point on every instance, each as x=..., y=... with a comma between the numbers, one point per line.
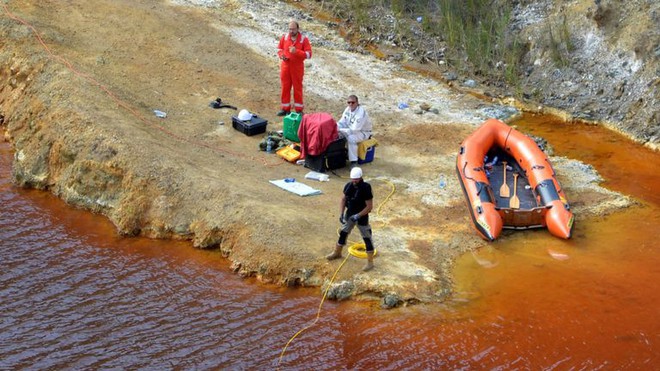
x=244, y=115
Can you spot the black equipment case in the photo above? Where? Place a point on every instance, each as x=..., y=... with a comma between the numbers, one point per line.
x=334, y=157
x=256, y=125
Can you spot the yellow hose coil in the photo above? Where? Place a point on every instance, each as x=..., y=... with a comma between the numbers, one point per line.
x=359, y=250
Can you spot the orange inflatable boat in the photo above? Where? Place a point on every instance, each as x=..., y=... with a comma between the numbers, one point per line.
x=508, y=182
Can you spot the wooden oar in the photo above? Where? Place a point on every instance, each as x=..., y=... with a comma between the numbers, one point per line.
x=504, y=189
x=514, y=203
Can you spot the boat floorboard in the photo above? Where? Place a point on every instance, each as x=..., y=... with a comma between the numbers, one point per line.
x=523, y=189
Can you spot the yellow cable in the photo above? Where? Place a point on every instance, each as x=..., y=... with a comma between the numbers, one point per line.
x=388, y=196
x=318, y=314
x=359, y=250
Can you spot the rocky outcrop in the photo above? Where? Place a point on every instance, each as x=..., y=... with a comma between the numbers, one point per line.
x=595, y=60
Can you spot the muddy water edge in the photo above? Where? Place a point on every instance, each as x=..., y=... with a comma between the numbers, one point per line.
x=73, y=294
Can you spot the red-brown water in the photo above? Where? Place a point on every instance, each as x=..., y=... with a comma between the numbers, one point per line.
x=626, y=167
x=74, y=295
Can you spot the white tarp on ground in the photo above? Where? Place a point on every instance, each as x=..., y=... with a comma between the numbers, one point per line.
x=298, y=188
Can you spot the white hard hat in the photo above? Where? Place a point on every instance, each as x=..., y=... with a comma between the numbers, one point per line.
x=244, y=115
x=356, y=173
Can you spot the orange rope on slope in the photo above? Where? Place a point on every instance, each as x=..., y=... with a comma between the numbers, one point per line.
x=121, y=103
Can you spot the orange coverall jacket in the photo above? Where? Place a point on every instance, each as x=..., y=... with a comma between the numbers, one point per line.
x=292, y=69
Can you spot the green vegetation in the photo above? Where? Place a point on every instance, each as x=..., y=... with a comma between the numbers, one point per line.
x=474, y=31
x=560, y=43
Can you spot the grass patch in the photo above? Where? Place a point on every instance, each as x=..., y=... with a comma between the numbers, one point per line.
x=474, y=31
x=560, y=43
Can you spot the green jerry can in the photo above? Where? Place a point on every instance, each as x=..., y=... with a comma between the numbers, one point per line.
x=290, y=125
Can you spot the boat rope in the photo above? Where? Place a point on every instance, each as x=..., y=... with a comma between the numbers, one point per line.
x=355, y=249
x=507, y=137
x=465, y=174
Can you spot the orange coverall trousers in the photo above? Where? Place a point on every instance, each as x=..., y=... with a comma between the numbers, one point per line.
x=291, y=75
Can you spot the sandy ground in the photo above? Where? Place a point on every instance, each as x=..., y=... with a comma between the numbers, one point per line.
x=79, y=111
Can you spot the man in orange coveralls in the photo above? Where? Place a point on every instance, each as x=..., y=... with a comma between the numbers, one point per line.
x=293, y=49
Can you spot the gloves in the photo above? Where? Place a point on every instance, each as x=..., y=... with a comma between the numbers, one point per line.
x=341, y=219
x=355, y=217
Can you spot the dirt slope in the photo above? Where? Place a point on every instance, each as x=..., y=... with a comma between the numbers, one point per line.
x=78, y=111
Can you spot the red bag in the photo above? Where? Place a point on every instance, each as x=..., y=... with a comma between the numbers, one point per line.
x=316, y=132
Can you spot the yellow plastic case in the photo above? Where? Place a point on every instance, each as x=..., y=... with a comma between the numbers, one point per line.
x=289, y=154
